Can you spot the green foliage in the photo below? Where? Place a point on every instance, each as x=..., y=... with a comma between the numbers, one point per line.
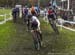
x=12, y=3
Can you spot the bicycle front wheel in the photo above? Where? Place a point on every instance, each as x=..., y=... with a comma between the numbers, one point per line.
x=37, y=41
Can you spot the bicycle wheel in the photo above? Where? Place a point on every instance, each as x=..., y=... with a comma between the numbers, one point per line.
x=37, y=41
x=53, y=25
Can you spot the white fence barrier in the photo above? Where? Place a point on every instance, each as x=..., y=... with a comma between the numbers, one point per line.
x=5, y=18
x=61, y=21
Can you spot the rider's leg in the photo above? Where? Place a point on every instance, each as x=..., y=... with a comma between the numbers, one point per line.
x=40, y=33
x=14, y=18
x=24, y=18
x=55, y=27
x=28, y=24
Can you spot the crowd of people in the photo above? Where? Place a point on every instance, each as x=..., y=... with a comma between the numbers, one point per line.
x=31, y=17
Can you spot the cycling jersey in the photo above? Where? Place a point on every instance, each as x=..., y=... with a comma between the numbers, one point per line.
x=51, y=14
x=34, y=18
x=35, y=22
x=15, y=12
x=25, y=11
x=33, y=11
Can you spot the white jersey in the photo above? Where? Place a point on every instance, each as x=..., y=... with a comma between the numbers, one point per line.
x=34, y=18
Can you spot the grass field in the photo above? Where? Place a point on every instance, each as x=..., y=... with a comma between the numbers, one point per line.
x=3, y=12
x=15, y=40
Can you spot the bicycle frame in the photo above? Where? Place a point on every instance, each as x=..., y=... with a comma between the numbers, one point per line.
x=37, y=41
x=53, y=25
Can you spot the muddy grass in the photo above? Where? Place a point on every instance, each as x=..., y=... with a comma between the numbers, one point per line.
x=15, y=40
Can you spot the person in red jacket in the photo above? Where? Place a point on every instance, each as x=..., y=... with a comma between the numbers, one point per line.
x=51, y=13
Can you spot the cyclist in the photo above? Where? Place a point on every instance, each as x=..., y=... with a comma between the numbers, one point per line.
x=33, y=11
x=29, y=19
x=51, y=13
x=52, y=19
x=25, y=13
x=15, y=14
x=37, y=9
x=35, y=26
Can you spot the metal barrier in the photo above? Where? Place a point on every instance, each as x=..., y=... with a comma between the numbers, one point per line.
x=61, y=21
